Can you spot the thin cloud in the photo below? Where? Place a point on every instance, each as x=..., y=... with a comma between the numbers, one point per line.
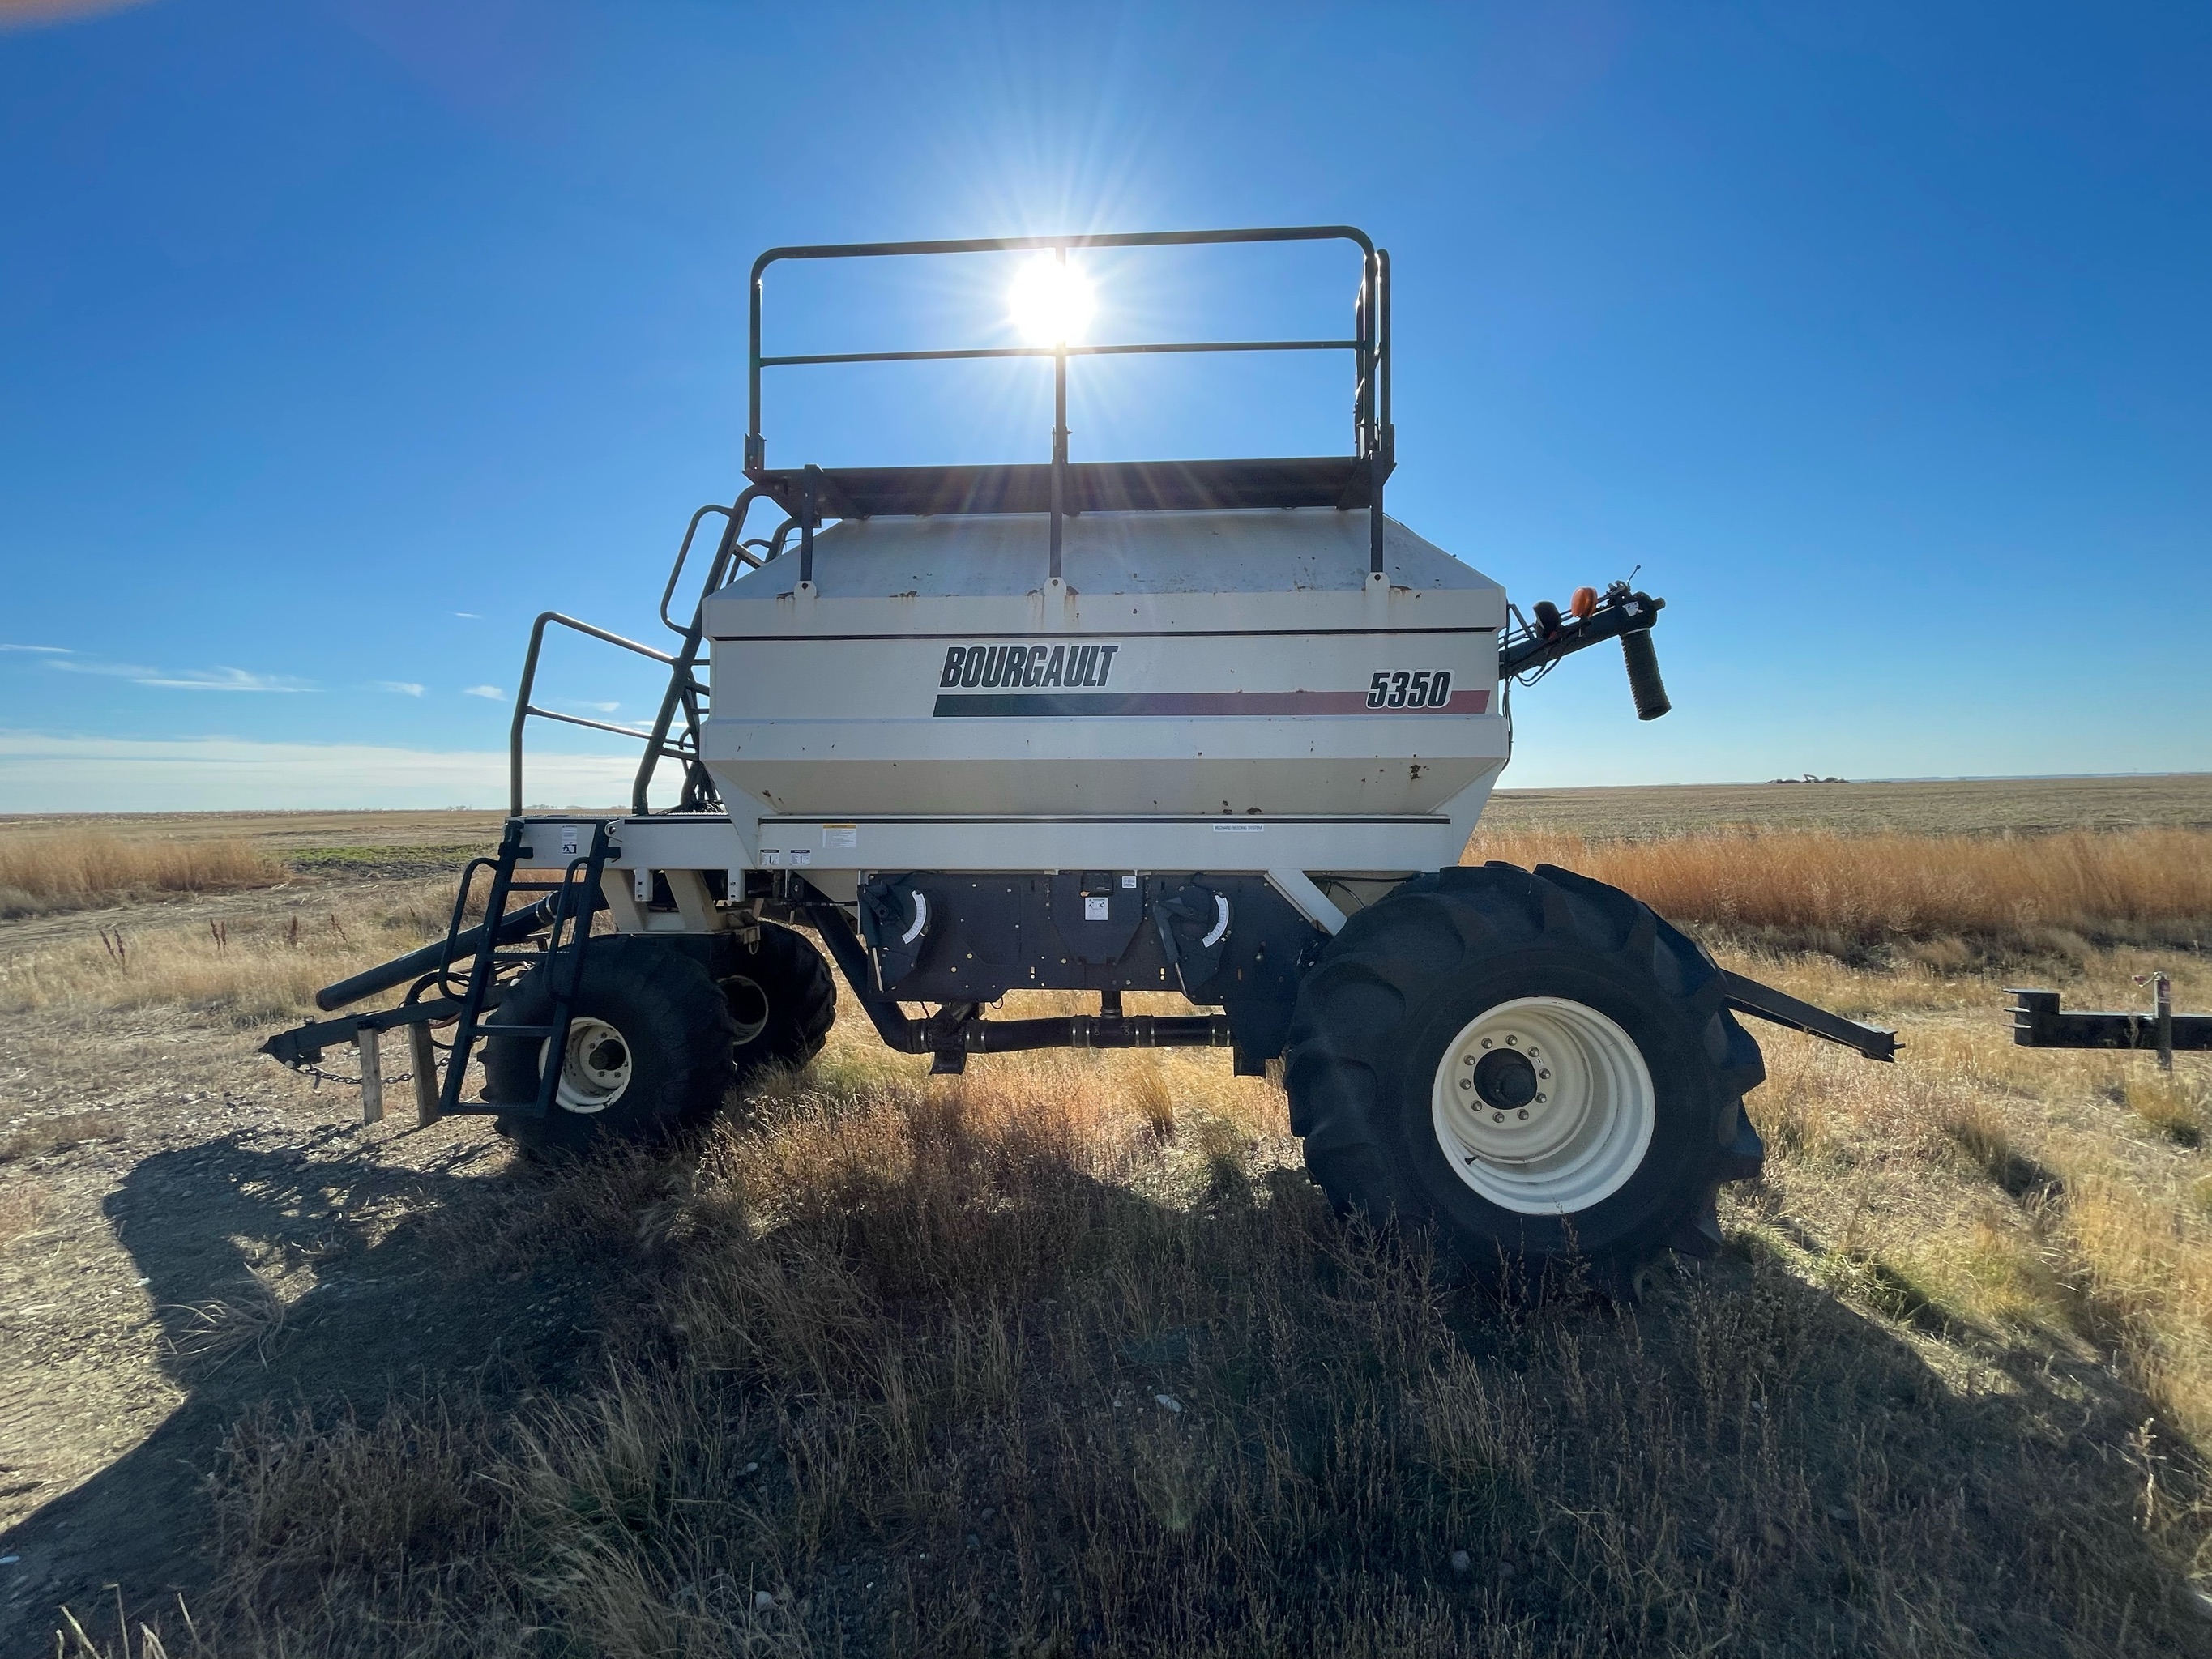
x=404, y=688
x=40, y=773
x=468, y=615
x=44, y=650
x=604, y=708
x=30, y=13
x=491, y=691
x=121, y=671
x=224, y=679
x=181, y=679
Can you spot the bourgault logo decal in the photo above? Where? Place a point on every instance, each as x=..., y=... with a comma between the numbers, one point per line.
x=1024, y=681
x=993, y=666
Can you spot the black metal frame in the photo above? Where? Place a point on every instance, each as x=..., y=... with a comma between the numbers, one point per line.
x=1620, y=613
x=1748, y=996
x=2037, y=1022
x=571, y=906
x=810, y=494
x=954, y=1030
x=564, y=916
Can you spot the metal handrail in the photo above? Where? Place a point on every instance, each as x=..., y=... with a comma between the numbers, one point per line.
x=683, y=689
x=736, y=514
x=1374, y=439
x=959, y=354
x=524, y=708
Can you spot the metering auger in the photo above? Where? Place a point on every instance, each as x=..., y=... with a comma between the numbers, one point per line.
x=1218, y=727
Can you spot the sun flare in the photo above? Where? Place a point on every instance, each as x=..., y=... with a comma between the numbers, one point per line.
x=1051, y=303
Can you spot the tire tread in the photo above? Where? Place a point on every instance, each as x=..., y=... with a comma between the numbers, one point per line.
x=1337, y=1070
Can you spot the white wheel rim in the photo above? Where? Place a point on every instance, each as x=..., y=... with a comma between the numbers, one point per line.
x=749, y=1006
x=1543, y=1106
x=595, y=1066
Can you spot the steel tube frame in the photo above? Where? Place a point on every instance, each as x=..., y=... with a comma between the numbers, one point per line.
x=524, y=708
x=1374, y=435
x=956, y=1029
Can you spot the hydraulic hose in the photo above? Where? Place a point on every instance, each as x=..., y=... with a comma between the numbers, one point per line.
x=516, y=924
x=1644, y=682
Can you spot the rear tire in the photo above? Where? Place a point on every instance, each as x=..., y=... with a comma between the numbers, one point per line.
x=1534, y=1064
x=781, y=1000
x=649, y=1049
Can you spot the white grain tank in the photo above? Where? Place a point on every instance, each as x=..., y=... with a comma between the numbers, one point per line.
x=1208, y=690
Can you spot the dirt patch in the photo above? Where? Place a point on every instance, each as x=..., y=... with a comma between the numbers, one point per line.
x=59, y=1135
x=240, y=1243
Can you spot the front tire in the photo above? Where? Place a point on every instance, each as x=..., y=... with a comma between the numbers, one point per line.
x=1533, y=1063
x=650, y=1039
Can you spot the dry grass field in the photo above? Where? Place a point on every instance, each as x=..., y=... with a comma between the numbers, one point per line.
x=1816, y=889
x=1066, y=1356
x=87, y=868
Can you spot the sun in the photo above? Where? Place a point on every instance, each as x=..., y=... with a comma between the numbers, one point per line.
x=1050, y=302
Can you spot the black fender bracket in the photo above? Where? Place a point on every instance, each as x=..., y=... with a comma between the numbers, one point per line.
x=1748, y=996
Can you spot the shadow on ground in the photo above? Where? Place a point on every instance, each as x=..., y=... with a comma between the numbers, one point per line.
x=1224, y=1419
x=299, y=1274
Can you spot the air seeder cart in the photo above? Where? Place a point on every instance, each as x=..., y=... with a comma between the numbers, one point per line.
x=1219, y=728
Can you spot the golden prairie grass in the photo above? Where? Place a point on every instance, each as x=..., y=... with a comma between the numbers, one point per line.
x=1861, y=889
x=2144, y=1262
x=992, y=1364
x=247, y=968
x=1065, y=1355
x=41, y=872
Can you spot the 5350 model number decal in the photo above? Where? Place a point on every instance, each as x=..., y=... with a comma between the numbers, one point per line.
x=1401, y=689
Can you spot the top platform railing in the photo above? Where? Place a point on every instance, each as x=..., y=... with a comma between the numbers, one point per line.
x=811, y=494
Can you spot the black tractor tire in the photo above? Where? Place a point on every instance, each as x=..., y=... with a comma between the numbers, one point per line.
x=781, y=998
x=1395, y=1005
x=651, y=1040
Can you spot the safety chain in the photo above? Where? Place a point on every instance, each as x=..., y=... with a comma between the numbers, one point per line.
x=308, y=1068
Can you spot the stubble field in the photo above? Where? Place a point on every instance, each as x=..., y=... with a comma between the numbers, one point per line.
x=1066, y=1356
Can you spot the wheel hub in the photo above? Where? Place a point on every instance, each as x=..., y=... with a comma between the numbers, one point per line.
x=749, y=1006
x=1505, y=1079
x=1544, y=1105
x=595, y=1066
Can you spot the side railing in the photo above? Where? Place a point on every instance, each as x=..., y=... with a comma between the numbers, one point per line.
x=810, y=492
x=687, y=696
x=657, y=743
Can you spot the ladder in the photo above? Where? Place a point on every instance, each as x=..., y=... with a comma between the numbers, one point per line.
x=561, y=958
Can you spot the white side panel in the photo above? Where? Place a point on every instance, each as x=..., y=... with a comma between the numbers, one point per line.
x=1226, y=847
x=934, y=695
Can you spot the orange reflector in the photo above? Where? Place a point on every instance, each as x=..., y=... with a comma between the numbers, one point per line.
x=1584, y=603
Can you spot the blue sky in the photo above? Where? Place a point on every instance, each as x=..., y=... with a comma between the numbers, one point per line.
x=337, y=339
